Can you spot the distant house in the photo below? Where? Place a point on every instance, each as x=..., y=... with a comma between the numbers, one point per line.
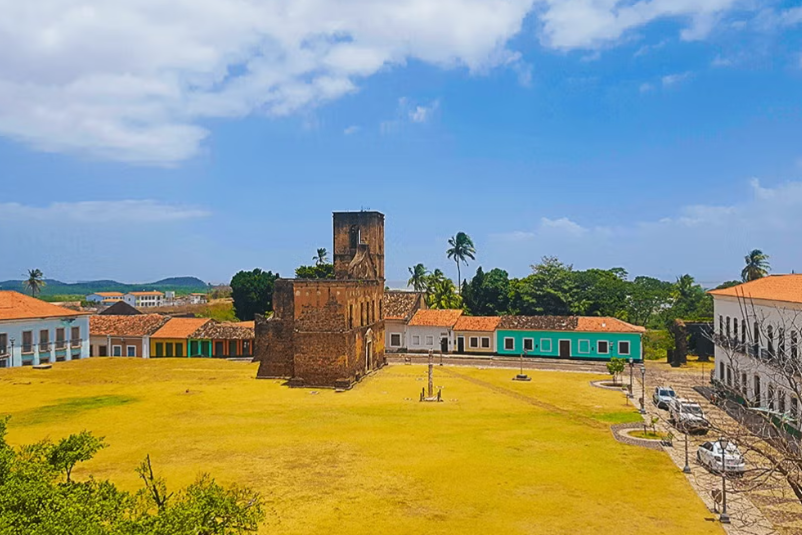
x=144, y=299
x=432, y=330
x=223, y=340
x=106, y=298
x=173, y=338
x=120, y=308
x=198, y=299
x=399, y=307
x=597, y=338
x=476, y=334
x=34, y=332
x=124, y=335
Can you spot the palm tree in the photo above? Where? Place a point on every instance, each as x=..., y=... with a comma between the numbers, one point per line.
x=461, y=249
x=321, y=257
x=757, y=266
x=35, y=282
x=418, y=279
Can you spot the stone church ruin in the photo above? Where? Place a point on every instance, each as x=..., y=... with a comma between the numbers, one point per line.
x=330, y=332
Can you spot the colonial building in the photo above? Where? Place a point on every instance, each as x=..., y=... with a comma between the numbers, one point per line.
x=173, y=338
x=758, y=331
x=399, y=307
x=123, y=335
x=432, y=330
x=476, y=334
x=33, y=332
x=106, y=298
x=144, y=299
x=330, y=332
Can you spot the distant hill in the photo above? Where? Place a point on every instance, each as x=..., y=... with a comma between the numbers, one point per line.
x=180, y=285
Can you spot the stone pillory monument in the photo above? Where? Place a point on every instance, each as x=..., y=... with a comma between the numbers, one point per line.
x=330, y=332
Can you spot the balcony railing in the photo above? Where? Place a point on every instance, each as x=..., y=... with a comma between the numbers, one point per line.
x=5, y=351
x=44, y=347
x=61, y=344
x=27, y=349
x=75, y=343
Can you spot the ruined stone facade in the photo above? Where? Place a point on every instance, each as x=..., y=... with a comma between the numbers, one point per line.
x=330, y=332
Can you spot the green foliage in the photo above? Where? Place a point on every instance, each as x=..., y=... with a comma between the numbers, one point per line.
x=757, y=266
x=602, y=292
x=488, y=294
x=35, y=281
x=615, y=367
x=462, y=248
x=418, y=274
x=35, y=500
x=317, y=271
x=322, y=257
x=179, y=285
x=441, y=292
x=656, y=343
x=647, y=297
x=253, y=293
x=549, y=291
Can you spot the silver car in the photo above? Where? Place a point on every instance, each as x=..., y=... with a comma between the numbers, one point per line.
x=710, y=455
x=662, y=396
x=687, y=416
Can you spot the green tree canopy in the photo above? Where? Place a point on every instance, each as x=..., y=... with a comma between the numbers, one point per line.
x=418, y=276
x=317, y=271
x=462, y=248
x=603, y=292
x=757, y=266
x=35, y=281
x=252, y=292
x=488, y=294
x=550, y=290
x=322, y=256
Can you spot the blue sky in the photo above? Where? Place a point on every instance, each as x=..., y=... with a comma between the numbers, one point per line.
x=139, y=141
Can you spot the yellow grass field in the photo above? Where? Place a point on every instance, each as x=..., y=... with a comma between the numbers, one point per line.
x=496, y=457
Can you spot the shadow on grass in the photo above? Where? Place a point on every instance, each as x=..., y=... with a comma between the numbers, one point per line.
x=66, y=408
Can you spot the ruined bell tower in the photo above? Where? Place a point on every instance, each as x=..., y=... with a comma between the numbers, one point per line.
x=359, y=245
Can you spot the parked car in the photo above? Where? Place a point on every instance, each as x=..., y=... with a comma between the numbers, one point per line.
x=662, y=396
x=687, y=415
x=709, y=455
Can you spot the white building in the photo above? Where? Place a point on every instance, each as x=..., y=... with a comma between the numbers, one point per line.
x=399, y=307
x=432, y=330
x=144, y=299
x=757, y=333
x=108, y=298
x=33, y=332
x=197, y=299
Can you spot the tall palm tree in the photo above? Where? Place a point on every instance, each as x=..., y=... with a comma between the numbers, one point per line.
x=321, y=257
x=757, y=266
x=461, y=249
x=35, y=282
x=418, y=279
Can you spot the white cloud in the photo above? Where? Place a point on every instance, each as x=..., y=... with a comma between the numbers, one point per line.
x=353, y=129
x=421, y=114
x=101, y=212
x=671, y=80
x=134, y=80
x=692, y=240
x=720, y=61
x=645, y=87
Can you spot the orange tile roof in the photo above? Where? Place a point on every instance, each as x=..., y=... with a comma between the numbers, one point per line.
x=786, y=288
x=246, y=324
x=146, y=293
x=180, y=327
x=606, y=325
x=139, y=325
x=477, y=323
x=401, y=305
x=17, y=306
x=108, y=294
x=435, y=318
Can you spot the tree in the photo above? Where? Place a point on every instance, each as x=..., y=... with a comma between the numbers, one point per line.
x=74, y=449
x=318, y=271
x=35, y=282
x=549, y=291
x=647, y=296
x=615, y=367
x=253, y=293
x=602, y=292
x=488, y=294
x=461, y=250
x=757, y=266
x=418, y=277
x=321, y=257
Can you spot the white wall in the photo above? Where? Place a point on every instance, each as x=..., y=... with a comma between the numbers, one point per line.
x=436, y=333
x=14, y=330
x=394, y=327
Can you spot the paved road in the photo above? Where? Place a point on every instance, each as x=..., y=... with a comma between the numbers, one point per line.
x=530, y=363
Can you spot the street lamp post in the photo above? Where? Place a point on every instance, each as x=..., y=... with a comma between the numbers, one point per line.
x=12, y=353
x=686, y=469
x=643, y=388
x=724, y=518
x=631, y=366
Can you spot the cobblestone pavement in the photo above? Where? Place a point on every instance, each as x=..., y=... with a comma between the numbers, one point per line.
x=772, y=508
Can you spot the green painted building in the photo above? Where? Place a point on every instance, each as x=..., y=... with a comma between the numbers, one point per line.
x=574, y=337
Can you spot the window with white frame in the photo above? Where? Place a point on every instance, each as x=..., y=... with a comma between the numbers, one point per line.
x=473, y=341
x=584, y=346
x=116, y=351
x=509, y=344
x=485, y=342
x=545, y=345
x=429, y=340
x=416, y=340
x=395, y=339
x=130, y=351
x=529, y=344
x=602, y=347
x=623, y=348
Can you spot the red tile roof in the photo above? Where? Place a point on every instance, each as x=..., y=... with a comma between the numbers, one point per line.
x=108, y=294
x=215, y=330
x=568, y=323
x=477, y=323
x=181, y=328
x=401, y=305
x=139, y=325
x=435, y=318
x=606, y=325
x=17, y=306
x=145, y=293
x=786, y=288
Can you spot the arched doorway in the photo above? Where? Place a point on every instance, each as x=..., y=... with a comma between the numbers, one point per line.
x=369, y=350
